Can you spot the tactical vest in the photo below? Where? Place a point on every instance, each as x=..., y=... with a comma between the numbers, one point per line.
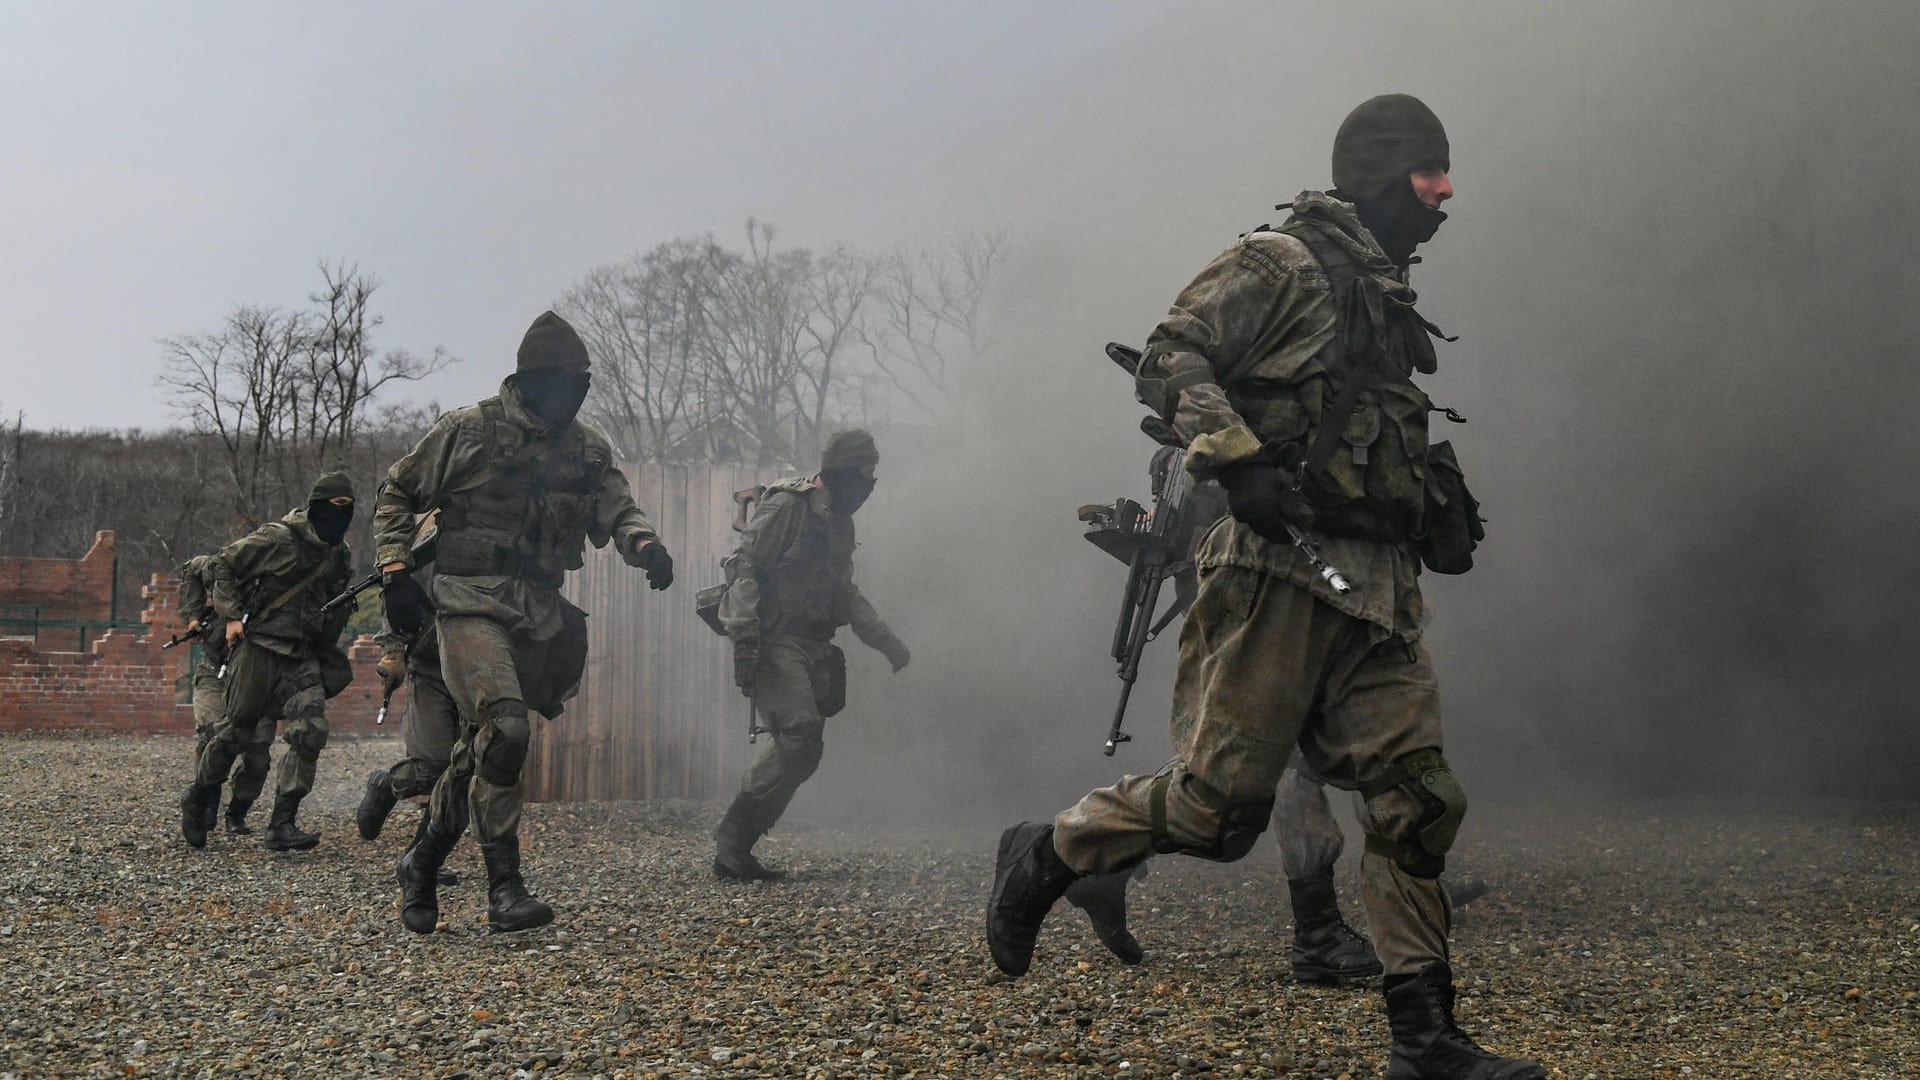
x=1373, y=482
x=285, y=603
x=528, y=517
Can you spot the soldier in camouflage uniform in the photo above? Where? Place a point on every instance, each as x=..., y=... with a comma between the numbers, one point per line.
x=790, y=587
x=429, y=729
x=521, y=487
x=1287, y=366
x=210, y=698
x=269, y=587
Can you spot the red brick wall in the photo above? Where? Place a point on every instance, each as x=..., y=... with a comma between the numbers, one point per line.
x=70, y=590
x=125, y=682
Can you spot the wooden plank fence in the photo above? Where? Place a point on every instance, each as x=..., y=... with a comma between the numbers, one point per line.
x=658, y=715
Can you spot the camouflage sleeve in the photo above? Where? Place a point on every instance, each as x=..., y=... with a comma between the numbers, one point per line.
x=772, y=530
x=193, y=588
x=441, y=461
x=237, y=563
x=338, y=577
x=1216, y=326
x=616, y=517
x=870, y=628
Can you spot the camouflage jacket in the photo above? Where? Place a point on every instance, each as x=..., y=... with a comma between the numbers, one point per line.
x=792, y=574
x=517, y=505
x=1241, y=353
x=254, y=572
x=195, y=576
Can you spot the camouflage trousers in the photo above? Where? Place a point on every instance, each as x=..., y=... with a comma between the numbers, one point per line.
x=209, y=708
x=262, y=684
x=485, y=667
x=429, y=729
x=1303, y=824
x=789, y=688
x=1265, y=667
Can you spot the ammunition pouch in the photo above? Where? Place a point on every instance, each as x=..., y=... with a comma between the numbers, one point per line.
x=336, y=671
x=706, y=604
x=473, y=553
x=558, y=679
x=833, y=694
x=1452, y=527
x=1425, y=775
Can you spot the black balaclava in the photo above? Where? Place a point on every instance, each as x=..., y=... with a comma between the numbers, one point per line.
x=1399, y=220
x=846, y=467
x=551, y=373
x=330, y=522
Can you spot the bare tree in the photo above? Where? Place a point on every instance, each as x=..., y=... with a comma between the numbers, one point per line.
x=643, y=321
x=930, y=324
x=283, y=393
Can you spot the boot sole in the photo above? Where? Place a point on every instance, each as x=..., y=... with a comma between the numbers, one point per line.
x=727, y=873
x=1343, y=978
x=502, y=928
x=298, y=845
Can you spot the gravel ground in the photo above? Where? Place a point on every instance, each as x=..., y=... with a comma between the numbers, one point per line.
x=1691, y=943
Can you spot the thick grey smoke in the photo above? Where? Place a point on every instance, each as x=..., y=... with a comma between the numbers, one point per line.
x=1679, y=262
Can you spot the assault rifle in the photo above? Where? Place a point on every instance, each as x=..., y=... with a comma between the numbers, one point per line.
x=198, y=633
x=1158, y=545
x=424, y=550
x=1155, y=547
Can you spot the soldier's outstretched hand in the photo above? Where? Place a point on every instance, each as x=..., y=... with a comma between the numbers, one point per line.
x=746, y=665
x=899, y=656
x=652, y=557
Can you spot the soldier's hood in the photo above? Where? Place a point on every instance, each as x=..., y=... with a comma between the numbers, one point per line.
x=297, y=523
x=517, y=410
x=1339, y=221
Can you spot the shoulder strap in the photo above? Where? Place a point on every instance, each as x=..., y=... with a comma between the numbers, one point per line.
x=297, y=587
x=1342, y=272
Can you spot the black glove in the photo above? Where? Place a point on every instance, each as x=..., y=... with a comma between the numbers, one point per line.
x=653, y=558
x=746, y=665
x=1259, y=497
x=405, y=601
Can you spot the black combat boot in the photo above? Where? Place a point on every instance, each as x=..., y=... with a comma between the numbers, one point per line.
x=733, y=841
x=237, y=817
x=442, y=876
x=375, y=805
x=1028, y=877
x=1104, y=899
x=282, y=833
x=1325, y=949
x=510, y=906
x=419, y=873
x=195, y=819
x=1428, y=1045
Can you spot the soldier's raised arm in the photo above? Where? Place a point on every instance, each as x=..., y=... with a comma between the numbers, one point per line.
x=617, y=518
x=1240, y=308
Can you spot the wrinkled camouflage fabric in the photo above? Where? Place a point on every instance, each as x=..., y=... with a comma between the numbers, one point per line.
x=789, y=687
x=1239, y=361
x=275, y=669
x=1264, y=666
x=1303, y=824
x=262, y=683
x=793, y=573
x=209, y=709
x=430, y=724
x=518, y=503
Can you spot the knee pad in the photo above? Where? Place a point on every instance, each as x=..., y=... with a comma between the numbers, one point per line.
x=500, y=748
x=306, y=738
x=1426, y=776
x=1241, y=821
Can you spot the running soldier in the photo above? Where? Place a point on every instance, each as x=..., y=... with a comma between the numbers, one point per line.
x=790, y=586
x=521, y=487
x=286, y=661
x=210, y=698
x=1287, y=368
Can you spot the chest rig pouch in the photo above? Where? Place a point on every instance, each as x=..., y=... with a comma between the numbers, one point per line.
x=1356, y=429
x=528, y=517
